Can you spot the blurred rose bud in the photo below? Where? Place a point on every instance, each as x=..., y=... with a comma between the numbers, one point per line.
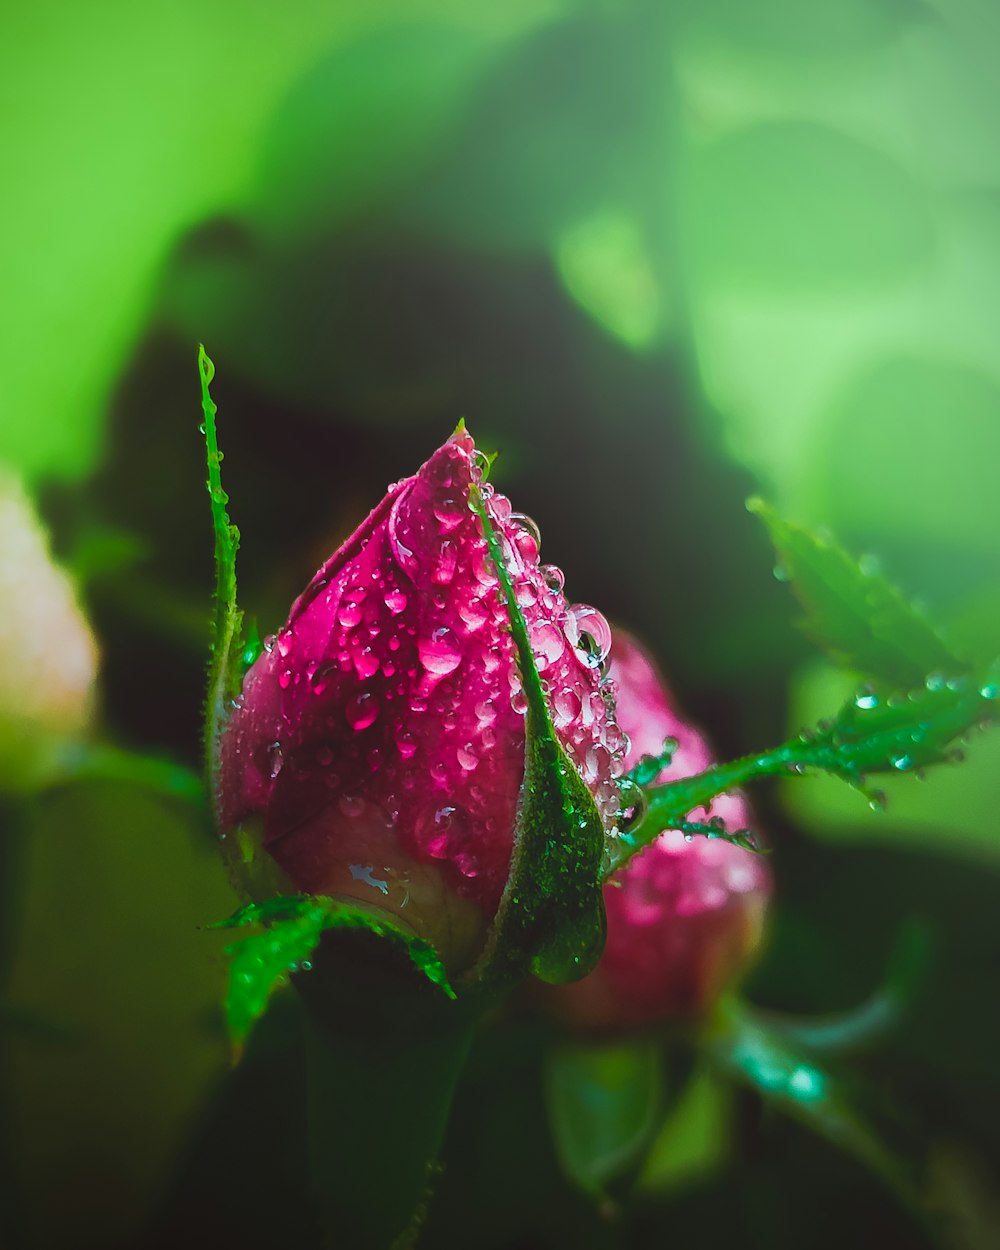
x=377, y=749
x=48, y=656
x=684, y=917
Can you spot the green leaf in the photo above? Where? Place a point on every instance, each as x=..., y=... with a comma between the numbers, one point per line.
x=225, y=672
x=605, y=1104
x=260, y=963
x=872, y=733
x=852, y=611
x=551, y=916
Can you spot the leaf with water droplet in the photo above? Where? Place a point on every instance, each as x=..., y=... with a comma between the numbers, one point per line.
x=852, y=611
x=551, y=917
x=292, y=928
x=880, y=732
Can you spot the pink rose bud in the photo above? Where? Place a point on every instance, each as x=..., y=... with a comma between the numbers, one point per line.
x=377, y=750
x=684, y=917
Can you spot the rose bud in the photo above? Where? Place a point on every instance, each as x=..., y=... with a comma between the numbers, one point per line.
x=377, y=750
x=48, y=656
x=684, y=916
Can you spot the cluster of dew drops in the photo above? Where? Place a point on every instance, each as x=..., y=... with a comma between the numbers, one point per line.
x=584, y=718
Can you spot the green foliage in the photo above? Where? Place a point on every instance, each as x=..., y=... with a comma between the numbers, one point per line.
x=225, y=673
x=551, y=916
x=293, y=926
x=924, y=700
x=604, y=1103
x=851, y=610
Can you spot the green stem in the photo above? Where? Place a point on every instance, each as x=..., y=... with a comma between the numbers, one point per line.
x=384, y=1053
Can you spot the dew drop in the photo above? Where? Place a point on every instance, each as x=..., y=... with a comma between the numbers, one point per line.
x=548, y=644
x=473, y=613
x=589, y=634
x=527, y=537
x=567, y=706
x=866, y=699
x=467, y=758
x=275, y=759
x=361, y=710
x=990, y=691
x=366, y=663
x=349, y=614
x=486, y=712
x=440, y=653
x=553, y=577
x=285, y=678
x=447, y=561
x=448, y=513
x=395, y=600
x=407, y=744
x=633, y=805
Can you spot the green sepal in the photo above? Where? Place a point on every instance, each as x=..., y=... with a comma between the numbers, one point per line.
x=605, y=1103
x=293, y=926
x=873, y=733
x=226, y=668
x=851, y=611
x=551, y=917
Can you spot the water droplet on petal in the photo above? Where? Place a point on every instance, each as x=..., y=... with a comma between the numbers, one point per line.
x=440, y=653
x=275, y=759
x=361, y=710
x=553, y=577
x=567, y=706
x=366, y=663
x=395, y=600
x=448, y=513
x=447, y=561
x=467, y=757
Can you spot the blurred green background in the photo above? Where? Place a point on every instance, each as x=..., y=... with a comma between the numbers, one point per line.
x=663, y=255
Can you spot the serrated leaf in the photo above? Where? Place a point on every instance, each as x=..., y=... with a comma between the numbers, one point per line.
x=604, y=1104
x=852, y=611
x=551, y=916
x=225, y=672
x=260, y=963
x=872, y=733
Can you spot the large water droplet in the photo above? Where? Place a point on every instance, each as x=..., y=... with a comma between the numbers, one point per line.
x=553, y=577
x=467, y=757
x=567, y=706
x=395, y=600
x=448, y=513
x=527, y=537
x=361, y=710
x=444, y=569
x=589, y=634
x=407, y=744
x=440, y=653
x=366, y=663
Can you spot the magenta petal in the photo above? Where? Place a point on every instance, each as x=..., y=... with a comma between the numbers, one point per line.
x=381, y=736
x=683, y=917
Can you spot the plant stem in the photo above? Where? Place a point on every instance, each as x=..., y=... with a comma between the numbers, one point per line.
x=384, y=1050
